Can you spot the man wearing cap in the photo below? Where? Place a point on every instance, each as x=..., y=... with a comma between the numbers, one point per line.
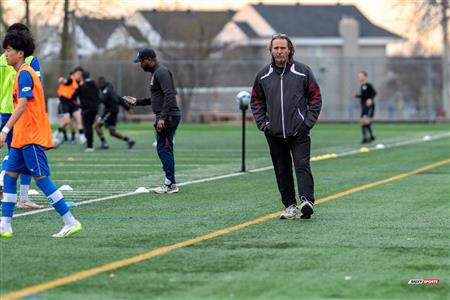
x=168, y=114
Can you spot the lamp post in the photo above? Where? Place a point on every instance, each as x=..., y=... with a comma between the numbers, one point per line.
x=243, y=98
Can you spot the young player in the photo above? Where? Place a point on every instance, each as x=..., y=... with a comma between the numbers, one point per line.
x=7, y=76
x=68, y=107
x=32, y=137
x=112, y=103
x=367, y=95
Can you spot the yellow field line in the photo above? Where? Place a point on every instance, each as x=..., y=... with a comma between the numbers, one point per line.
x=159, y=251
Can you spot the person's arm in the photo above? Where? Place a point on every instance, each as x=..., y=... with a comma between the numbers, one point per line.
x=258, y=105
x=314, y=100
x=25, y=93
x=168, y=89
x=137, y=102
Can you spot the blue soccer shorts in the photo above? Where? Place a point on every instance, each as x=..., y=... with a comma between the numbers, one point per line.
x=28, y=160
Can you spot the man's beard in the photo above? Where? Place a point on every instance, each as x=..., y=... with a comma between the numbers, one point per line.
x=148, y=68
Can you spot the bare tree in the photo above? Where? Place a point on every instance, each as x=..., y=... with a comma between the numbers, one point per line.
x=187, y=44
x=27, y=13
x=424, y=17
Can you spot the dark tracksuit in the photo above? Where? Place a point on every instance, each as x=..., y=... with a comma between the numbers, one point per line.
x=367, y=92
x=286, y=104
x=88, y=93
x=165, y=107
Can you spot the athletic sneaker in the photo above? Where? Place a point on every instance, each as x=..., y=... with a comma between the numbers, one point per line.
x=306, y=208
x=72, y=142
x=167, y=189
x=131, y=144
x=82, y=139
x=89, y=150
x=6, y=232
x=28, y=204
x=68, y=230
x=291, y=212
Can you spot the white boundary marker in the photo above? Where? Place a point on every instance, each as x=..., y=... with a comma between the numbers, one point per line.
x=326, y=156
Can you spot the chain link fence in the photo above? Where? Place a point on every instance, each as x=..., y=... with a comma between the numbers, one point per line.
x=408, y=89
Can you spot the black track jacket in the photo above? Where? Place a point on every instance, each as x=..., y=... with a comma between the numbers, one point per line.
x=284, y=100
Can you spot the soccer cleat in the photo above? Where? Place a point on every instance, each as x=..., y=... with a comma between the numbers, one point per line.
x=68, y=230
x=290, y=213
x=28, y=204
x=306, y=208
x=72, y=142
x=89, y=150
x=104, y=146
x=372, y=138
x=6, y=232
x=131, y=144
x=167, y=189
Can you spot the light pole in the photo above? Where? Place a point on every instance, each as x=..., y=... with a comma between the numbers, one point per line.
x=243, y=98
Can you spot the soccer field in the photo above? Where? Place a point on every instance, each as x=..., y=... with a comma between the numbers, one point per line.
x=382, y=218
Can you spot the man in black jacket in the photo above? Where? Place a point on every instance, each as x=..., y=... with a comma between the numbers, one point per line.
x=89, y=100
x=168, y=115
x=111, y=102
x=286, y=103
x=367, y=95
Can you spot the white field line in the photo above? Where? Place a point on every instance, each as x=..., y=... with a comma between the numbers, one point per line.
x=398, y=144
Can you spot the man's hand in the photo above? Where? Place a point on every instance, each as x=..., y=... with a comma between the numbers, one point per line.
x=160, y=125
x=129, y=100
x=369, y=102
x=61, y=80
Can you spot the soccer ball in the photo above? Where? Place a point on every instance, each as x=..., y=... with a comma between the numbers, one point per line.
x=243, y=98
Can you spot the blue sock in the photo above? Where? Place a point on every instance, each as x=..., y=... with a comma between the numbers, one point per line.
x=9, y=196
x=25, y=179
x=54, y=196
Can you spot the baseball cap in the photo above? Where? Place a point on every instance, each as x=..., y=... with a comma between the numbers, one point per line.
x=145, y=53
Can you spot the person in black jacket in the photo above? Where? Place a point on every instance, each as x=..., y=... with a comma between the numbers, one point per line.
x=168, y=115
x=286, y=103
x=367, y=95
x=89, y=100
x=111, y=102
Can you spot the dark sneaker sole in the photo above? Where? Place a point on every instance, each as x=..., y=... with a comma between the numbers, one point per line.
x=306, y=210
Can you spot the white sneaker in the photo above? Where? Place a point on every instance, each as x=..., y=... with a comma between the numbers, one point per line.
x=6, y=231
x=167, y=189
x=82, y=139
x=68, y=230
x=89, y=150
x=28, y=204
x=291, y=212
